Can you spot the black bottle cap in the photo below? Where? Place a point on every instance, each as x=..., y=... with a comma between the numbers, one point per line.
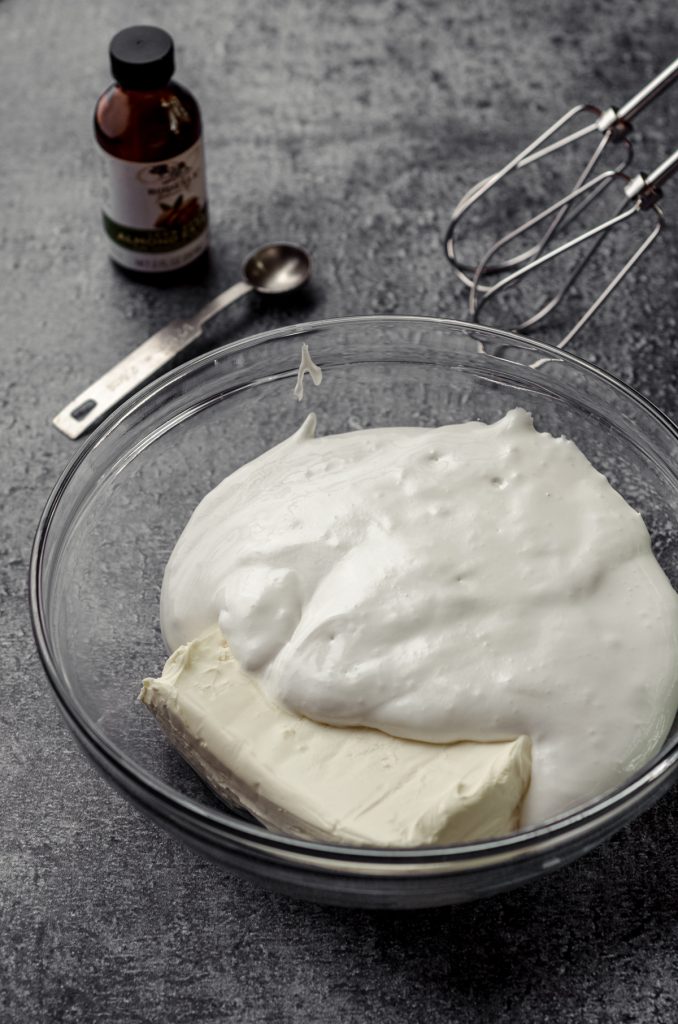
x=142, y=57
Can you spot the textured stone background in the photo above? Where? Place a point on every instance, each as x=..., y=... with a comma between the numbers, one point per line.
x=351, y=126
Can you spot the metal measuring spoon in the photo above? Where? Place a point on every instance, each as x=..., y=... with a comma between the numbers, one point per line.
x=271, y=270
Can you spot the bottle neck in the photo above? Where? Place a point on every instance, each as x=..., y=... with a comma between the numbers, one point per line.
x=148, y=88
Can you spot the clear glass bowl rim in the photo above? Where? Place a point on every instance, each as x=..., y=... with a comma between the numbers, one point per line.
x=620, y=805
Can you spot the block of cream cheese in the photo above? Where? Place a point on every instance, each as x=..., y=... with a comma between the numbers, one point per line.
x=345, y=785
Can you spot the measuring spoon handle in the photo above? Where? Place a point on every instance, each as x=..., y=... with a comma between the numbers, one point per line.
x=141, y=365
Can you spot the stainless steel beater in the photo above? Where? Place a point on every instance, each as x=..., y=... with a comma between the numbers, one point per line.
x=640, y=193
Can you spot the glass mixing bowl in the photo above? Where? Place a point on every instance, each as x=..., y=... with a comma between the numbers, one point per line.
x=115, y=514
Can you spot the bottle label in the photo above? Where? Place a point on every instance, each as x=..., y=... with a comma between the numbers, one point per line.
x=155, y=214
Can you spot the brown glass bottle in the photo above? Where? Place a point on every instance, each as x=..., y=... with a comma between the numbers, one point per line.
x=149, y=130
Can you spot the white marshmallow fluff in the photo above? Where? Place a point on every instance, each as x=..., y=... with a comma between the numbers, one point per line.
x=468, y=582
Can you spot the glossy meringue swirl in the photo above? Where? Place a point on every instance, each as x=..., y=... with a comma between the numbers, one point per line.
x=468, y=582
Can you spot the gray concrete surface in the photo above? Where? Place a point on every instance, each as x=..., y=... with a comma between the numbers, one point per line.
x=351, y=126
